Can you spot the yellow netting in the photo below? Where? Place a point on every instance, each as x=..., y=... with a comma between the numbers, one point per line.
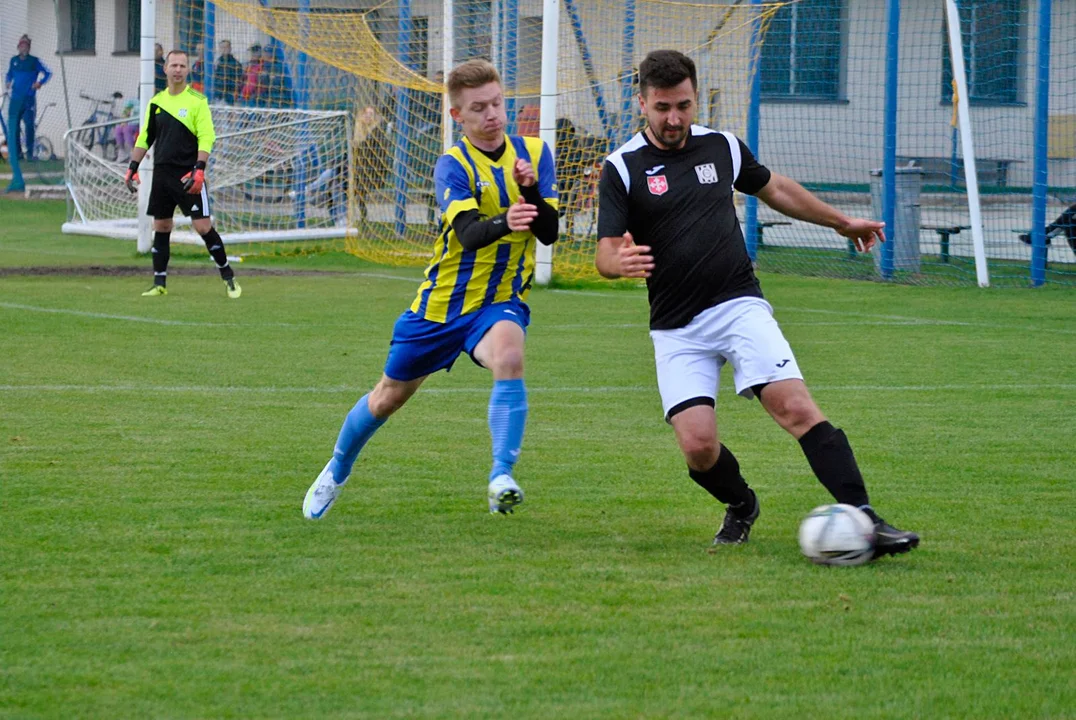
x=343, y=39
x=384, y=74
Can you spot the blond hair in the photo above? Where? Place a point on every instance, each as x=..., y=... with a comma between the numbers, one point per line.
x=365, y=125
x=471, y=74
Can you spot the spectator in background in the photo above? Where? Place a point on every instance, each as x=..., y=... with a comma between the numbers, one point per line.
x=25, y=75
x=197, y=75
x=276, y=79
x=127, y=132
x=370, y=150
x=579, y=159
x=251, y=94
x=1065, y=223
x=227, y=75
x=160, y=77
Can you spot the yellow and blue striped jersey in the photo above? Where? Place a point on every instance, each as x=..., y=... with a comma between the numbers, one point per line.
x=460, y=281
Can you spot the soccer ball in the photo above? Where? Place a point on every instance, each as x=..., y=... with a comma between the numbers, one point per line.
x=837, y=535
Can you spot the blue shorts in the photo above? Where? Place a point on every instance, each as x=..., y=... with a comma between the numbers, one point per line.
x=421, y=347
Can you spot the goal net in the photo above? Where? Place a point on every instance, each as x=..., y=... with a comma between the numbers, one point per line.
x=273, y=174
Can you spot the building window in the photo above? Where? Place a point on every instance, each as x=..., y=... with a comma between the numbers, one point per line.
x=991, y=33
x=128, y=26
x=801, y=52
x=416, y=47
x=77, y=26
x=474, y=30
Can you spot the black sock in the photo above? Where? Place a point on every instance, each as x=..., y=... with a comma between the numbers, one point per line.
x=162, y=250
x=725, y=482
x=831, y=458
x=215, y=246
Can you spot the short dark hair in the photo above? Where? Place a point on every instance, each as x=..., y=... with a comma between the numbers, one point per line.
x=176, y=52
x=666, y=69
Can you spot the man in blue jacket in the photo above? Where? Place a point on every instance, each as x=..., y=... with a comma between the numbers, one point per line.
x=25, y=74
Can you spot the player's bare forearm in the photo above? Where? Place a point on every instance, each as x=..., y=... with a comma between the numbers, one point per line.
x=138, y=153
x=792, y=199
x=788, y=197
x=203, y=156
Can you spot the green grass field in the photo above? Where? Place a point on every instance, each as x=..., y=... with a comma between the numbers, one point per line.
x=154, y=455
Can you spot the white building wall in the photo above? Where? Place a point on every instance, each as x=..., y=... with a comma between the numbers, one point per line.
x=98, y=74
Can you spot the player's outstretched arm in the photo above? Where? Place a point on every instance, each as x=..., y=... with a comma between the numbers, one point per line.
x=788, y=197
x=620, y=257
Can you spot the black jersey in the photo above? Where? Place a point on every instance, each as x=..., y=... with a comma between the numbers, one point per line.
x=679, y=202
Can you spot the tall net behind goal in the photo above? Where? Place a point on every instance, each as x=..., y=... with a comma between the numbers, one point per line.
x=274, y=175
x=384, y=63
x=601, y=45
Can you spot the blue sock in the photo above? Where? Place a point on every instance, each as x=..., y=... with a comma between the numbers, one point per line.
x=359, y=426
x=507, y=419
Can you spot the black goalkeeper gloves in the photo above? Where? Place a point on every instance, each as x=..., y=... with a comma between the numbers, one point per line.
x=131, y=179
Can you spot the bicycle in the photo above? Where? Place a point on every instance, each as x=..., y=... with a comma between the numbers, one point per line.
x=104, y=111
x=43, y=149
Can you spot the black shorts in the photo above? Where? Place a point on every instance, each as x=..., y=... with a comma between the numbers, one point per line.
x=167, y=192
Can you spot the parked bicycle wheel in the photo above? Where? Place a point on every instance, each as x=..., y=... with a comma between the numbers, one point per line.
x=43, y=149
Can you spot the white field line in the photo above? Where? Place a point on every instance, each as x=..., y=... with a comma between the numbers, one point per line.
x=877, y=317
x=884, y=321
x=312, y=390
x=872, y=318
x=129, y=318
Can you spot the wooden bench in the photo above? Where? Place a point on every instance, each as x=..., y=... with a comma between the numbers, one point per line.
x=939, y=170
x=944, y=233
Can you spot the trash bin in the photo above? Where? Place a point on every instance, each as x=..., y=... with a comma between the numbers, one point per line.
x=905, y=236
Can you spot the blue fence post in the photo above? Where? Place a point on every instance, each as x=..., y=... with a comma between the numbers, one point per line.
x=753, y=117
x=627, y=62
x=889, y=158
x=208, y=46
x=301, y=99
x=510, y=42
x=592, y=75
x=1040, y=175
x=403, y=120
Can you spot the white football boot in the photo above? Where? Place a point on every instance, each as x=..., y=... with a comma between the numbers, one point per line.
x=322, y=494
x=504, y=494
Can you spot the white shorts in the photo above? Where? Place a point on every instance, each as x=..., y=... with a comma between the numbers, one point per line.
x=741, y=331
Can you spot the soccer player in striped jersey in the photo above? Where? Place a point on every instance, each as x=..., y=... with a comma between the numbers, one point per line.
x=497, y=195
x=179, y=126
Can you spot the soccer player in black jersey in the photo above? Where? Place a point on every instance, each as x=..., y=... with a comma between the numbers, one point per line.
x=669, y=189
x=178, y=125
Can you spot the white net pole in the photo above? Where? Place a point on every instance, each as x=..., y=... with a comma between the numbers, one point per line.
x=547, y=122
x=448, y=50
x=145, y=94
x=971, y=175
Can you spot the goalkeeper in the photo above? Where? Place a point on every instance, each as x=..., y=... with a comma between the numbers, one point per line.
x=178, y=122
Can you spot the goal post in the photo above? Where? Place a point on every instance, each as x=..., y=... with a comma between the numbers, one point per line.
x=273, y=175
